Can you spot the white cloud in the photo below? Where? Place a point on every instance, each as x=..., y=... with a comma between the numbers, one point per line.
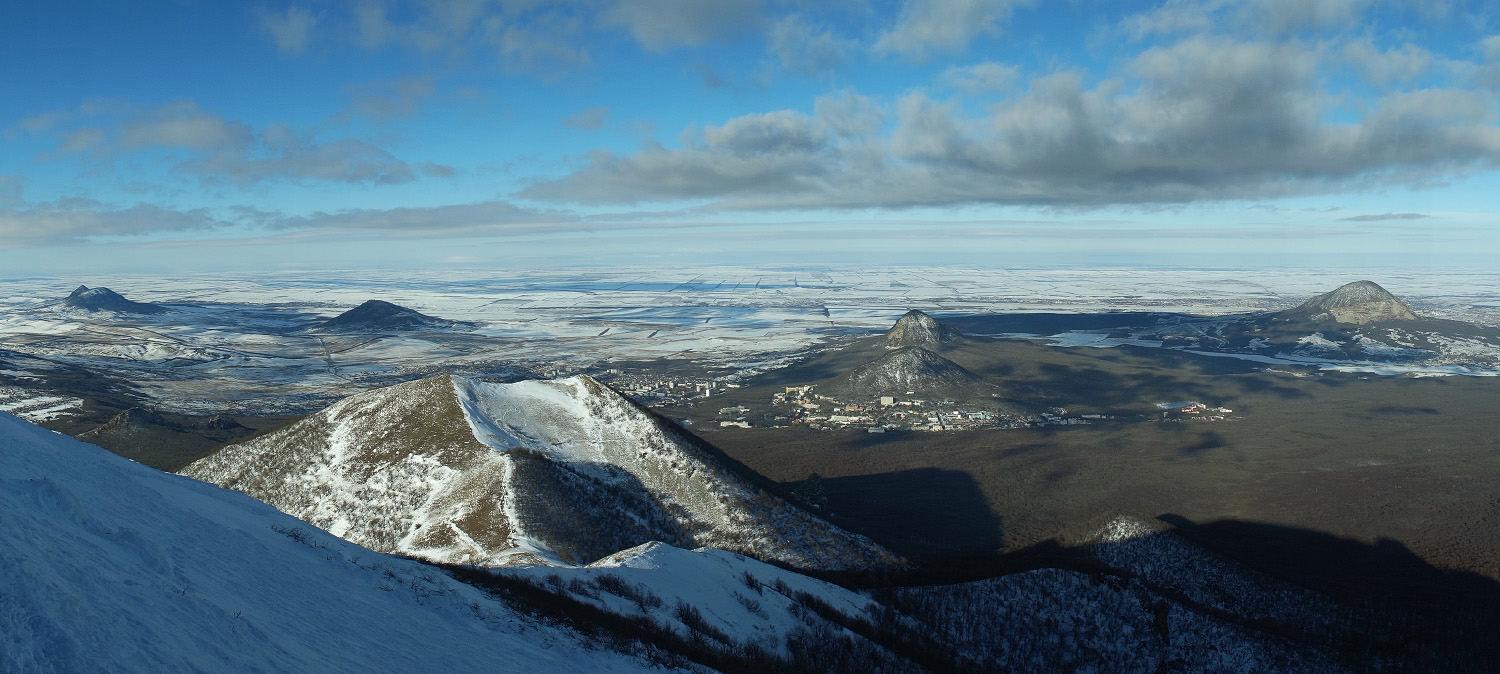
x=1383, y=67
x=1202, y=120
x=659, y=25
x=291, y=30
x=217, y=150
x=927, y=26
x=586, y=120
x=986, y=77
x=801, y=48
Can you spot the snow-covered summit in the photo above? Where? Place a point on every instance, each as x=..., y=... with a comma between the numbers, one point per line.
x=107, y=565
x=560, y=472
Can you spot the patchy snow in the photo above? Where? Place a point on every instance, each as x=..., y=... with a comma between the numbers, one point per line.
x=1316, y=342
x=560, y=472
x=1089, y=338
x=107, y=565
x=34, y=406
x=751, y=602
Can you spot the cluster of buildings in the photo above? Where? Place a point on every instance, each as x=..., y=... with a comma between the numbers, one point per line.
x=1191, y=410
x=801, y=405
x=658, y=391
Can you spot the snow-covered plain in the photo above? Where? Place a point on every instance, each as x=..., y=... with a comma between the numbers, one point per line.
x=110, y=566
x=244, y=343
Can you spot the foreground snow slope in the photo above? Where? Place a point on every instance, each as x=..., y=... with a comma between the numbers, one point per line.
x=566, y=471
x=107, y=565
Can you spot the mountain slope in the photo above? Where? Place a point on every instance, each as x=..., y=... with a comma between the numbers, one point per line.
x=104, y=299
x=107, y=565
x=380, y=316
x=916, y=328
x=461, y=471
x=912, y=370
x=1359, y=303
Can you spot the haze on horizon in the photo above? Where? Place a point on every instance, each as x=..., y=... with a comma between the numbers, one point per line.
x=201, y=136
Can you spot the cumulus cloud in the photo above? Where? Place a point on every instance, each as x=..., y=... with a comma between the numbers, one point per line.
x=218, y=150
x=400, y=98
x=1383, y=67
x=783, y=152
x=803, y=49
x=1202, y=119
x=586, y=120
x=980, y=78
x=290, y=30
x=77, y=220
x=927, y=26
x=546, y=38
x=659, y=25
x=1265, y=17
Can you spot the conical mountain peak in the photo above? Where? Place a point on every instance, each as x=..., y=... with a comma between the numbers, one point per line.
x=379, y=315
x=104, y=299
x=1358, y=302
x=916, y=328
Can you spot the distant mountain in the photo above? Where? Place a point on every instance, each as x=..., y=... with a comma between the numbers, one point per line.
x=1359, y=303
x=1357, y=322
x=916, y=328
x=110, y=566
x=104, y=299
x=380, y=316
x=462, y=471
x=912, y=370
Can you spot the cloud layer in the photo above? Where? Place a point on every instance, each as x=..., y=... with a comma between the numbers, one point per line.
x=1205, y=118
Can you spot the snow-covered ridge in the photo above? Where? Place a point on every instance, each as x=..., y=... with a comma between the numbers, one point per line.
x=110, y=566
x=558, y=472
x=751, y=603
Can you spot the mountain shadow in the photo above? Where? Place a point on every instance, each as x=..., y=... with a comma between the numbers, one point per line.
x=1397, y=603
x=926, y=513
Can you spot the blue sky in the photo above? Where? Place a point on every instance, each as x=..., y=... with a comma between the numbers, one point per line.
x=194, y=136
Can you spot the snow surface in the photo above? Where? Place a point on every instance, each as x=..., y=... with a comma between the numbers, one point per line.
x=109, y=566
x=751, y=602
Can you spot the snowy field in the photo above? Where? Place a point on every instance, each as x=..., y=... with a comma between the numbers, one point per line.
x=244, y=343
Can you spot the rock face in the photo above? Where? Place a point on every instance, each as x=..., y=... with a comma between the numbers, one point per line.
x=461, y=471
x=918, y=329
x=104, y=299
x=1359, y=303
x=379, y=316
